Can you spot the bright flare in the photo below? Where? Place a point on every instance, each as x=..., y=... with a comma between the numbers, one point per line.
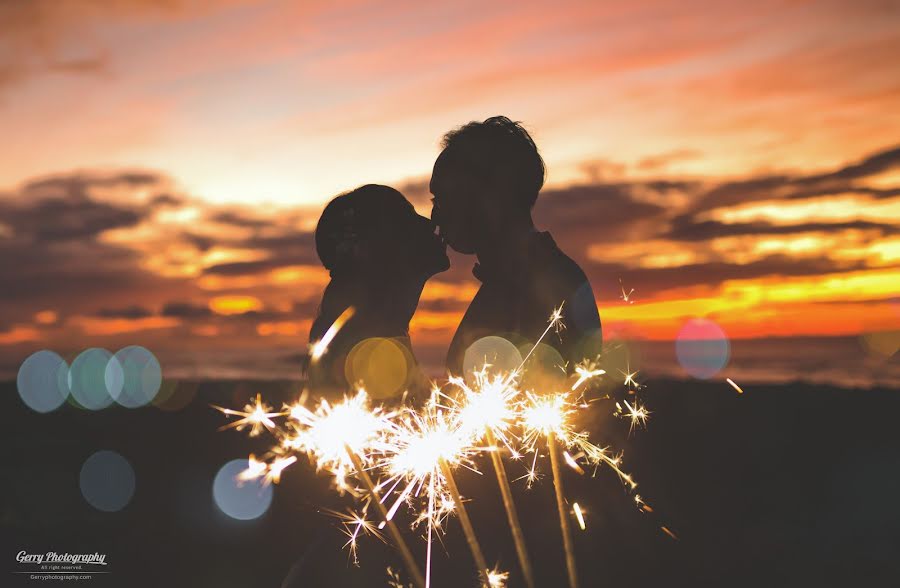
x=318, y=349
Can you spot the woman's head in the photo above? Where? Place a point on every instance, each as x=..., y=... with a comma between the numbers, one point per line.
x=379, y=253
x=374, y=231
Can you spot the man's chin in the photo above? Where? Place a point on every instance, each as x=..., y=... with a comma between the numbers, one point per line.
x=461, y=247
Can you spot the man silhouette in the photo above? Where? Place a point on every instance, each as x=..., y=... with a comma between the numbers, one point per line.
x=484, y=185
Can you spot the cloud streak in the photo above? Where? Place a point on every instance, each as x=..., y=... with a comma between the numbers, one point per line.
x=121, y=254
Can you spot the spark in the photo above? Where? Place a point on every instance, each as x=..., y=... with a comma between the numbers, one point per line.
x=638, y=415
x=273, y=473
x=556, y=316
x=488, y=406
x=256, y=416
x=643, y=506
x=733, y=385
x=626, y=297
x=394, y=580
x=318, y=349
x=585, y=372
x=572, y=463
x=669, y=533
x=255, y=469
x=353, y=524
x=629, y=378
x=554, y=322
x=579, y=516
x=497, y=579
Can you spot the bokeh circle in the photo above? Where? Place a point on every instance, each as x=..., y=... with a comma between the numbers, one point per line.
x=87, y=379
x=107, y=481
x=545, y=368
x=497, y=353
x=702, y=348
x=133, y=376
x=42, y=381
x=382, y=366
x=239, y=499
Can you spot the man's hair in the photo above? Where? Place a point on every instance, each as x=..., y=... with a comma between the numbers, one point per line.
x=501, y=148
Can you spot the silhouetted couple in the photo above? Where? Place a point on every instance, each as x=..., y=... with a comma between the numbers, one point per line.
x=380, y=253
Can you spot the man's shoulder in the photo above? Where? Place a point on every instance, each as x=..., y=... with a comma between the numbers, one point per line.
x=560, y=279
x=551, y=262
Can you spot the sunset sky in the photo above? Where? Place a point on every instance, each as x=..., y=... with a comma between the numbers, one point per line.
x=164, y=162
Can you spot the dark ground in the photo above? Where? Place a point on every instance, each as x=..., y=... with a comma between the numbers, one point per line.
x=781, y=486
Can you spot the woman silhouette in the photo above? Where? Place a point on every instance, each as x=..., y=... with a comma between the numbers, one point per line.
x=379, y=253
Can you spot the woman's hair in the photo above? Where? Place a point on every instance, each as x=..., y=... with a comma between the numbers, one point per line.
x=348, y=230
x=355, y=219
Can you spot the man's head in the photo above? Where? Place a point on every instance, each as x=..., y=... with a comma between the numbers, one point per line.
x=487, y=177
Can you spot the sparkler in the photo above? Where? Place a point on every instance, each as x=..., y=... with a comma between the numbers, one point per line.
x=399, y=542
x=336, y=436
x=568, y=544
x=466, y=523
x=488, y=411
x=547, y=417
x=550, y=417
x=424, y=445
x=511, y=513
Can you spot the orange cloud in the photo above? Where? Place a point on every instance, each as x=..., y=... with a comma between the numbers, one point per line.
x=228, y=305
x=19, y=334
x=284, y=328
x=772, y=306
x=96, y=326
x=46, y=317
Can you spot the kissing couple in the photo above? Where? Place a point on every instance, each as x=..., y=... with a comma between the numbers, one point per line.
x=380, y=253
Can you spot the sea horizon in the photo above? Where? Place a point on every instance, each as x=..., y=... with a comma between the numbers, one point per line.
x=845, y=362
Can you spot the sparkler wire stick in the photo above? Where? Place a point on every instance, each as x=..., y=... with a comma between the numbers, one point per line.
x=511, y=514
x=563, y=514
x=430, y=528
x=474, y=546
x=399, y=542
